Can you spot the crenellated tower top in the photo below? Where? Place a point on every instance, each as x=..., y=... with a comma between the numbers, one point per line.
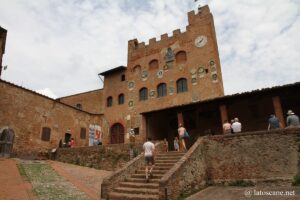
x=194, y=19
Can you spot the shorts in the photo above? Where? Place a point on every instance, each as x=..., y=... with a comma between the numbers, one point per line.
x=149, y=160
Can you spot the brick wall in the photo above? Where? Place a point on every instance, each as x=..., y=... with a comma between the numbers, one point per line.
x=258, y=156
x=91, y=101
x=108, y=157
x=27, y=112
x=199, y=87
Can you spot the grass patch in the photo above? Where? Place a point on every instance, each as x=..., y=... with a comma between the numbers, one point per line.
x=184, y=195
x=241, y=183
x=22, y=172
x=47, y=184
x=296, y=181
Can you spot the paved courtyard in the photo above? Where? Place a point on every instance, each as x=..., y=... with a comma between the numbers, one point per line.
x=88, y=181
x=15, y=187
x=247, y=193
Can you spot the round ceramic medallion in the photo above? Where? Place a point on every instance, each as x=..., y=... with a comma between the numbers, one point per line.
x=130, y=85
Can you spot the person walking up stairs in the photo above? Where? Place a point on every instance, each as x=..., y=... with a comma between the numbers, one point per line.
x=136, y=188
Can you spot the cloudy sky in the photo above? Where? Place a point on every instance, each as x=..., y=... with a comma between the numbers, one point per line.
x=58, y=47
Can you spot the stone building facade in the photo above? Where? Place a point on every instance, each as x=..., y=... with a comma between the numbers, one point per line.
x=40, y=122
x=177, y=79
x=176, y=70
x=90, y=101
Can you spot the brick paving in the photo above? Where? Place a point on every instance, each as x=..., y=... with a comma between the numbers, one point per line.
x=88, y=180
x=247, y=193
x=13, y=187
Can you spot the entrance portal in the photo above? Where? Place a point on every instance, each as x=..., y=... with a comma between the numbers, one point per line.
x=117, y=134
x=67, y=138
x=7, y=136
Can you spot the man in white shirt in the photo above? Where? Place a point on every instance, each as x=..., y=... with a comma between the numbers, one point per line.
x=236, y=126
x=149, y=157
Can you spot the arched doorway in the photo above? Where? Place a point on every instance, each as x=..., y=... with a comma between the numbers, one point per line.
x=7, y=136
x=117, y=134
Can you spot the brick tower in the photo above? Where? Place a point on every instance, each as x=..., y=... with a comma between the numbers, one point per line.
x=176, y=70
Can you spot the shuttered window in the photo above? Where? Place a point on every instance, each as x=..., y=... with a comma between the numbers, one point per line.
x=46, y=132
x=82, y=133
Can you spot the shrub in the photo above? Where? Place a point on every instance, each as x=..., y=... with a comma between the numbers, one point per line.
x=296, y=181
x=241, y=183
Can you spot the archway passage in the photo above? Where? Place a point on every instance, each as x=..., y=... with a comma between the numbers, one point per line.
x=7, y=136
x=117, y=134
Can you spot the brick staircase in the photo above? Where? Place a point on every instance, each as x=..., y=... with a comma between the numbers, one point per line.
x=136, y=188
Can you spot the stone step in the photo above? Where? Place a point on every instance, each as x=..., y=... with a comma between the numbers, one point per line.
x=136, y=190
x=139, y=185
x=164, y=165
x=167, y=157
x=167, y=168
x=142, y=180
x=154, y=171
x=124, y=196
x=142, y=175
x=166, y=161
x=171, y=153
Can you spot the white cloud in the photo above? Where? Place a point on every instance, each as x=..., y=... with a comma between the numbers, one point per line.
x=63, y=45
x=47, y=92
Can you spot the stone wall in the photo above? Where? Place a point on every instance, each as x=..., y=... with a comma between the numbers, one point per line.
x=259, y=155
x=256, y=156
x=188, y=173
x=91, y=101
x=108, y=157
x=125, y=172
x=27, y=112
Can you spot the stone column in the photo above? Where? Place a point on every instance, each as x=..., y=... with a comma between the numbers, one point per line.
x=223, y=112
x=278, y=109
x=180, y=118
x=143, y=130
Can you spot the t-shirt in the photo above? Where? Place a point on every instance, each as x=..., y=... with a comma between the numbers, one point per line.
x=236, y=127
x=227, y=126
x=274, y=122
x=181, y=131
x=292, y=120
x=149, y=148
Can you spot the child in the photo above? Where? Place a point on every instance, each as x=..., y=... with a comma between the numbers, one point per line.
x=176, y=145
x=166, y=145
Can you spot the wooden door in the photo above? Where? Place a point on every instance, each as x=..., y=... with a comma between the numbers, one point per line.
x=117, y=134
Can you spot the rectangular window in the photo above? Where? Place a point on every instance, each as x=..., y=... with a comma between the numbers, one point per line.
x=123, y=77
x=46, y=132
x=79, y=106
x=82, y=133
x=136, y=131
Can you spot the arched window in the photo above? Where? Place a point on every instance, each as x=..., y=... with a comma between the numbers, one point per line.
x=153, y=64
x=109, y=101
x=137, y=69
x=143, y=94
x=121, y=99
x=162, y=90
x=181, y=57
x=181, y=85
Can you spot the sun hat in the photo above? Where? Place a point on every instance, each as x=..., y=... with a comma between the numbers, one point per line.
x=290, y=112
